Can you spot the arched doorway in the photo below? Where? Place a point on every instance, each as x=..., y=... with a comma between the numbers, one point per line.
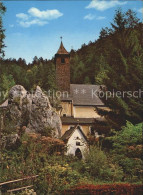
x=78, y=154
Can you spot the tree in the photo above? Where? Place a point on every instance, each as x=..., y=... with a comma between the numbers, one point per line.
x=87, y=80
x=104, y=32
x=131, y=19
x=2, y=35
x=6, y=82
x=100, y=167
x=21, y=62
x=119, y=21
x=35, y=60
x=127, y=150
x=123, y=72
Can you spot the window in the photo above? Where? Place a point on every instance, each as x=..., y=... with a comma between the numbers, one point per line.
x=92, y=131
x=64, y=115
x=77, y=143
x=62, y=60
x=9, y=102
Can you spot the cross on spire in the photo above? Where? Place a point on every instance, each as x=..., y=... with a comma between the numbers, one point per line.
x=61, y=38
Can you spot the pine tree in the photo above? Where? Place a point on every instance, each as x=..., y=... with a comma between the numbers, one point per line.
x=2, y=35
x=124, y=70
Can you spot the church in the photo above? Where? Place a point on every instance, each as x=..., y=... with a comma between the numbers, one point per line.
x=79, y=106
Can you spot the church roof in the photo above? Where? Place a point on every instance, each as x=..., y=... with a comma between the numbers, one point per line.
x=85, y=95
x=82, y=121
x=71, y=120
x=69, y=133
x=62, y=50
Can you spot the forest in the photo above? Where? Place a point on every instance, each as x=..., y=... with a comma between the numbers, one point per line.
x=114, y=60
x=119, y=69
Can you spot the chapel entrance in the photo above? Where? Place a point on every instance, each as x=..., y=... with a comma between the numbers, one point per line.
x=78, y=154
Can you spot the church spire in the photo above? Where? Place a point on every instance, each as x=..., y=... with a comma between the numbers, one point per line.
x=62, y=49
x=62, y=60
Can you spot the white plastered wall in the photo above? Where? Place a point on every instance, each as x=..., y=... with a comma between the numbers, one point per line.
x=71, y=144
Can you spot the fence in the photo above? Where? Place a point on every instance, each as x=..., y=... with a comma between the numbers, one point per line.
x=5, y=184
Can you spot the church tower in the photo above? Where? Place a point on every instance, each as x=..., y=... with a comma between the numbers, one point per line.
x=62, y=59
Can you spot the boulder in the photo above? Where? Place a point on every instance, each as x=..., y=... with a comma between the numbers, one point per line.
x=34, y=111
x=11, y=141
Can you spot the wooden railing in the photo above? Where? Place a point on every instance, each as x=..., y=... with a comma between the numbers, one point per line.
x=16, y=181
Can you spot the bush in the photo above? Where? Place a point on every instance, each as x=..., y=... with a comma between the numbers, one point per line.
x=100, y=167
x=127, y=151
x=108, y=189
x=53, y=179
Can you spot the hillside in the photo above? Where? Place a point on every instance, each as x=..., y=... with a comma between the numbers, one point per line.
x=114, y=60
x=37, y=159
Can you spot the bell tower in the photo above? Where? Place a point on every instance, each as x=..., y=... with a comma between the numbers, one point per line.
x=62, y=59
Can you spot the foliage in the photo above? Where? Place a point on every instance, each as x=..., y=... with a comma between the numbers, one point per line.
x=120, y=68
x=53, y=179
x=42, y=74
x=6, y=82
x=2, y=35
x=26, y=159
x=129, y=135
x=38, y=155
x=27, y=192
x=45, y=156
x=100, y=167
x=9, y=126
x=127, y=150
x=47, y=131
x=115, y=61
x=106, y=189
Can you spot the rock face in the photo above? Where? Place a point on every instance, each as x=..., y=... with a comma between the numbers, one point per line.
x=33, y=111
x=11, y=141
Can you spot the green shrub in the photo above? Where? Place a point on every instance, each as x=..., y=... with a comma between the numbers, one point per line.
x=127, y=151
x=100, y=167
x=53, y=179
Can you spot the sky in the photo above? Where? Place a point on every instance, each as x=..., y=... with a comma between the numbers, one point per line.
x=33, y=28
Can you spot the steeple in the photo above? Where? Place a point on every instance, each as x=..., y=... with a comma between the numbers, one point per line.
x=62, y=59
x=62, y=49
